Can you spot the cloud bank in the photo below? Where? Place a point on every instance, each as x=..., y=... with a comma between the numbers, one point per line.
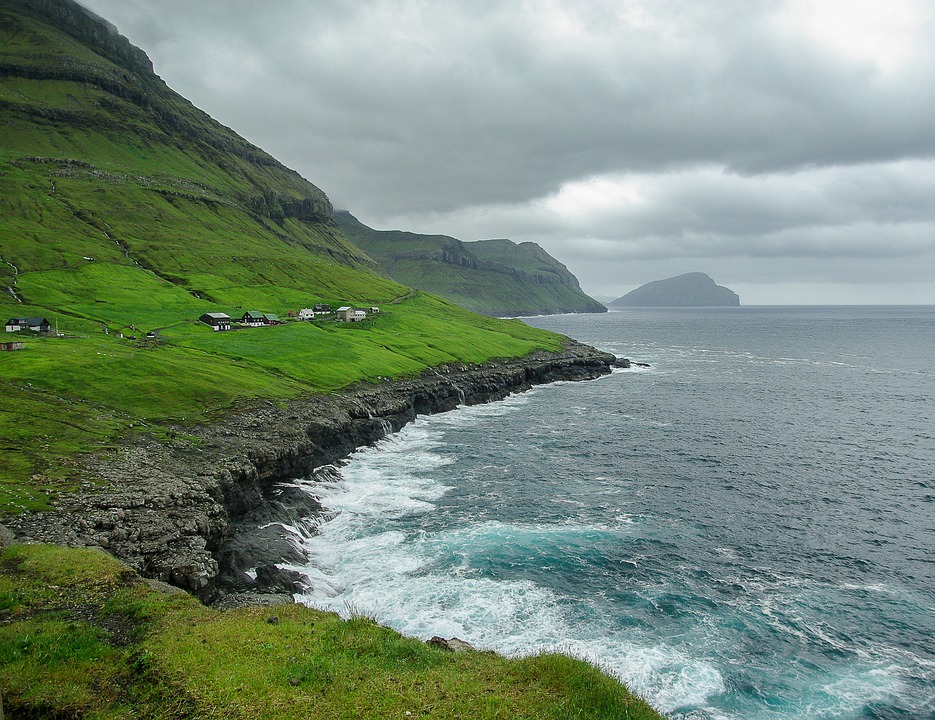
x=785, y=147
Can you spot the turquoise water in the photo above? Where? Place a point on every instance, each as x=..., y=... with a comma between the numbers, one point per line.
x=744, y=530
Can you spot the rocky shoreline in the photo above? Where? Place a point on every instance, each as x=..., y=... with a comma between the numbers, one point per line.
x=191, y=511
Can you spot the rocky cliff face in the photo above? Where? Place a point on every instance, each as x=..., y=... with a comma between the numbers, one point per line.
x=179, y=511
x=91, y=29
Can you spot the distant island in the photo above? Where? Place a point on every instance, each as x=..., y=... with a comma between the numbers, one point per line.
x=693, y=289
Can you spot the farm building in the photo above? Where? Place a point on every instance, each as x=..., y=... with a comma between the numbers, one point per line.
x=12, y=346
x=253, y=318
x=346, y=313
x=217, y=321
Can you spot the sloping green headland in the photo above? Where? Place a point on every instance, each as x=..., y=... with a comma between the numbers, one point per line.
x=127, y=212
x=493, y=277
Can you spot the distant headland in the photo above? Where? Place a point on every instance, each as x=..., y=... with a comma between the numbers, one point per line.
x=693, y=289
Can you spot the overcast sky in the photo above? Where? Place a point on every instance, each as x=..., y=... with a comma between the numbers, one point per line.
x=784, y=147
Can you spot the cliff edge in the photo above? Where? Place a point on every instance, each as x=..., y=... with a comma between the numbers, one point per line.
x=177, y=510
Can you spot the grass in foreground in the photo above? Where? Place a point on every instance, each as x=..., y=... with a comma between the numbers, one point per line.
x=83, y=636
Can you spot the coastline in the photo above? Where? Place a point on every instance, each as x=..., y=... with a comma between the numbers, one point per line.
x=172, y=510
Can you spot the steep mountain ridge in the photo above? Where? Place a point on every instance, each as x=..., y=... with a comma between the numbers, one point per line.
x=495, y=277
x=84, y=112
x=91, y=29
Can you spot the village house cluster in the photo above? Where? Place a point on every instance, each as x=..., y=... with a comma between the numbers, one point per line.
x=216, y=320
x=253, y=318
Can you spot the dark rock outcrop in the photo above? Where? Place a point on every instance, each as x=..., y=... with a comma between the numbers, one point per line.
x=454, y=644
x=91, y=29
x=193, y=511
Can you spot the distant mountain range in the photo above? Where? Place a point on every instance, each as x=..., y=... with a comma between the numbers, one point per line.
x=689, y=290
x=493, y=277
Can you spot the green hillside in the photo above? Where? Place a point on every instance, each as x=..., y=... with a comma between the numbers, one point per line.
x=123, y=210
x=494, y=277
x=125, y=214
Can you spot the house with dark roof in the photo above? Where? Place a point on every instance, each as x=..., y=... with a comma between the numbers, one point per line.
x=252, y=318
x=34, y=324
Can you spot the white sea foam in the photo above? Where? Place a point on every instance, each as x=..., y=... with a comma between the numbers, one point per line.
x=391, y=576
x=395, y=576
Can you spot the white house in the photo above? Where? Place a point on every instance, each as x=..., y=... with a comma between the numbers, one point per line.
x=358, y=316
x=306, y=314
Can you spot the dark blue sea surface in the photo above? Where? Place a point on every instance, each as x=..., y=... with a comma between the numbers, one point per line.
x=744, y=530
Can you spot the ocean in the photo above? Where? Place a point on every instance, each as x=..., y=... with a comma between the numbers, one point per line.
x=744, y=529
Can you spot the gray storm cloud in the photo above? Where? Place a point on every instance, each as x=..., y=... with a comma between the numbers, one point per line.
x=633, y=140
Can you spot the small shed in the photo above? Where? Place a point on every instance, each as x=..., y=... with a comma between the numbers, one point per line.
x=217, y=321
x=345, y=313
x=252, y=318
x=12, y=346
x=34, y=324
x=374, y=310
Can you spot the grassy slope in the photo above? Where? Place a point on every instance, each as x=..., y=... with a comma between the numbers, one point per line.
x=495, y=277
x=122, y=205
x=85, y=637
